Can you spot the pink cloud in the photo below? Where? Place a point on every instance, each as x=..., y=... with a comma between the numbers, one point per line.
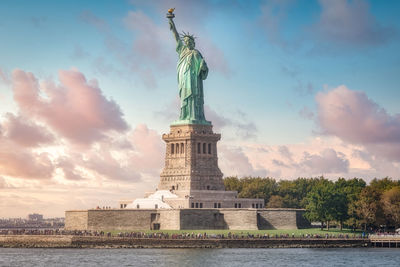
x=104, y=164
x=3, y=183
x=23, y=163
x=69, y=169
x=76, y=109
x=25, y=132
x=140, y=153
x=234, y=162
x=354, y=118
x=149, y=150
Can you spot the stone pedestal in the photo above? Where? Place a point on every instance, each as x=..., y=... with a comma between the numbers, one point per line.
x=191, y=160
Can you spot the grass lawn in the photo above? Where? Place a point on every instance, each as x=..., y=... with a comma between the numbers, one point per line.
x=296, y=232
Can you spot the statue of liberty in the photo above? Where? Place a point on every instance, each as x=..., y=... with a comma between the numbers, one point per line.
x=192, y=70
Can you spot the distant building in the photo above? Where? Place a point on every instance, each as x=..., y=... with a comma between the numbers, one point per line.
x=35, y=217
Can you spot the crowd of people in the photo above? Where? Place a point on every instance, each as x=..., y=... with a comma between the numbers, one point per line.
x=192, y=235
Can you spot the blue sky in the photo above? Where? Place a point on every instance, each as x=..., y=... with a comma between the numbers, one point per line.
x=313, y=84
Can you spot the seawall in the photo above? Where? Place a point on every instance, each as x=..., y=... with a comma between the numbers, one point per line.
x=69, y=241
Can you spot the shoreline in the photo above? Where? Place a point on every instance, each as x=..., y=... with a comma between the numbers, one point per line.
x=70, y=241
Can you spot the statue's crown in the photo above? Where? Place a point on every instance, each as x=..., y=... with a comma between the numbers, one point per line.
x=188, y=35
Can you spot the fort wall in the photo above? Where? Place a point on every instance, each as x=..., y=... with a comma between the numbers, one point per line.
x=125, y=219
x=76, y=220
x=202, y=219
x=240, y=219
x=170, y=219
x=185, y=219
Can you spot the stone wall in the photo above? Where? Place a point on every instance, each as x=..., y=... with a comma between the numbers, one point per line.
x=191, y=219
x=240, y=219
x=281, y=219
x=170, y=219
x=185, y=219
x=302, y=222
x=125, y=219
x=76, y=220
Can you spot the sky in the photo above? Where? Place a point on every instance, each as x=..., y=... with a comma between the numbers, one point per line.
x=87, y=88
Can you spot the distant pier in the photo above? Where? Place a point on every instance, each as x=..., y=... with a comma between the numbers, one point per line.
x=389, y=241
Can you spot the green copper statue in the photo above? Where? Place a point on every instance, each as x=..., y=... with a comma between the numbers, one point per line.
x=192, y=70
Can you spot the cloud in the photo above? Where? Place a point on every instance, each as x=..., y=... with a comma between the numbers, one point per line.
x=328, y=161
x=3, y=183
x=234, y=162
x=240, y=124
x=353, y=117
x=76, y=109
x=22, y=163
x=138, y=154
x=280, y=163
x=69, y=169
x=285, y=152
x=25, y=132
x=320, y=155
x=350, y=23
x=377, y=165
x=94, y=143
x=105, y=164
x=149, y=150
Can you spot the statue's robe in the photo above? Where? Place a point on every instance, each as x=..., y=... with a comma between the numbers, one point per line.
x=192, y=70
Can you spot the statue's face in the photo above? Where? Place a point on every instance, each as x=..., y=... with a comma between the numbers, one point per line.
x=189, y=42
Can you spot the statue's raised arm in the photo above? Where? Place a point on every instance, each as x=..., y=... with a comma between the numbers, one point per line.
x=174, y=31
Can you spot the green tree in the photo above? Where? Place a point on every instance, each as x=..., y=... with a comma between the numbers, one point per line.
x=383, y=184
x=340, y=206
x=232, y=184
x=258, y=188
x=369, y=208
x=320, y=202
x=391, y=206
x=294, y=192
x=352, y=189
x=275, y=201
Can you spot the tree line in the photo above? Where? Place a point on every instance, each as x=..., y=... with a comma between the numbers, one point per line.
x=346, y=202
